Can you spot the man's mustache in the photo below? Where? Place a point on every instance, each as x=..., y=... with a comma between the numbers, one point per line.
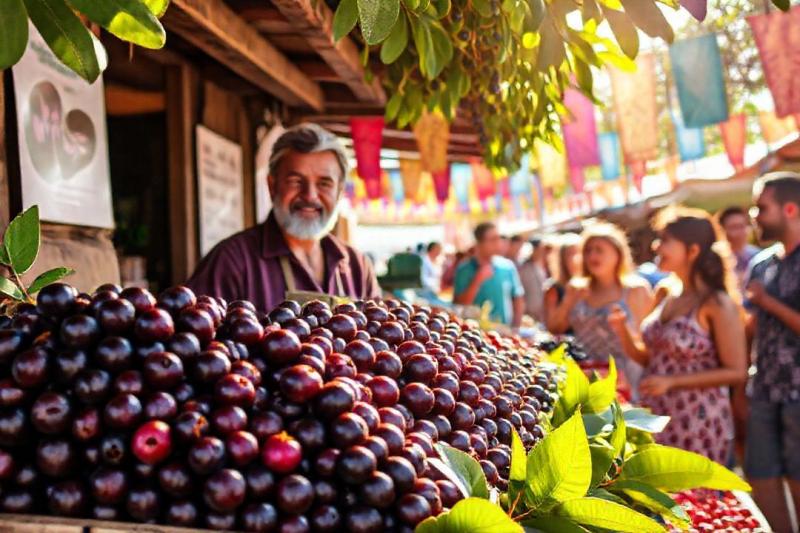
x=306, y=205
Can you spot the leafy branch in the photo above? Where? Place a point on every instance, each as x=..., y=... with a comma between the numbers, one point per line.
x=18, y=252
x=61, y=24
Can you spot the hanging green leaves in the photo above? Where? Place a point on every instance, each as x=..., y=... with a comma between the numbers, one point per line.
x=397, y=41
x=345, y=18
x=377, y=18
x=130, y=20
x=13, y=32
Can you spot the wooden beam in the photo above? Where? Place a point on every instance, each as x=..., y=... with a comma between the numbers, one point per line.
x=122, y=100
x=181, y=118
x=319, y=71
x=221, y=33
x=5, y=197
x=314, y=20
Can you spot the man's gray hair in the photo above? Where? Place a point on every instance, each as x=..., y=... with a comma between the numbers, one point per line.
x=308, y=138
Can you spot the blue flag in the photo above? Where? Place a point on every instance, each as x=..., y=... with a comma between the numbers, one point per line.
x=691, y=143
x=461, y=177
x=610, y=160
x=697, y=68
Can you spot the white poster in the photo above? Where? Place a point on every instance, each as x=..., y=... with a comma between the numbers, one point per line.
x=63, y=147
x=219, y=187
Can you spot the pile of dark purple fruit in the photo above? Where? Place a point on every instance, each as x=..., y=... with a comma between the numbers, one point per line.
x=191, y=411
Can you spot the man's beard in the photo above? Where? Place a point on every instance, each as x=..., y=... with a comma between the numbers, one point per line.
x=770, y=233
x=303, y=229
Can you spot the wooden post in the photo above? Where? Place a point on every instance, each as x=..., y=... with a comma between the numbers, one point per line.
x=5, y=198
x=246, y=137
x=181, y=112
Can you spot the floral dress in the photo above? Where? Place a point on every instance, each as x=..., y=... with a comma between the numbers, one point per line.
x=701, y=419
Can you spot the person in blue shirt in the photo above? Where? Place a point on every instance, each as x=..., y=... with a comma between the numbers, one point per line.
x=489, y=277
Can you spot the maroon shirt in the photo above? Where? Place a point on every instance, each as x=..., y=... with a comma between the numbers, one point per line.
x=246, y=266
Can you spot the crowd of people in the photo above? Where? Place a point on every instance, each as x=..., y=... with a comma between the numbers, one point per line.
x=687, y=332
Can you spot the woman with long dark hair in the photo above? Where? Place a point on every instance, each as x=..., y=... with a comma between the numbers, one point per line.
x=694, y=341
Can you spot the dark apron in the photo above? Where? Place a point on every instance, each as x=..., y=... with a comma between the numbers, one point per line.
x=303, y=297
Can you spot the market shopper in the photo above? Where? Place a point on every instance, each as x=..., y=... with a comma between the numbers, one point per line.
x=738, y=229
x=693, y=345
x=605, y=284
x=533, y=275
x=773, y=290
x=489, y=277
x=567, y=266
x=292, y=254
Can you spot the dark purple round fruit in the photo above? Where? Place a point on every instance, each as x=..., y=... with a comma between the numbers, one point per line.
x=142, y=504
x=392, y=332
x=154, y=325
x=348, y=429
x=206, y=455
x=128, y=382
x=114, y=354
x=56, y=299
x=182, y=513
x=113, y=449
x=68, y=364
x=500, y=458
x=412, y=509
x=11, y=342
x=443, y=403
x=242, y=447
x=51, y=413
x=356, y=464
x=469, y=393
x=108, y=486
x=116, y=316
x=280, y=347
x=264, y=424
x=362, y=519
x=402, y=472
x=123, y=411
x=378, y=491
x=209, y=366
x=189, y=426
x=408, y=348
x=393, y=416
x=418, y=398
x=298, y=326
x=260, y=482
x=227, y=419
x=490, y=471
x=342, y=326
x=160, y=406
x=220, y=521
x=334, y=399
x=294, y=494
x=325, y=462
x=55, y=458
x=224, y=490
x=67, y=498
x=176, y=480
x=162, y=370
x=300, y=383
x=459, y=439
x=281, y=453
x=30, y=368
x=175, y=299
x=326, y=519
x=462, y=417
x=362, y=354
x=234, y=389
x=259, y=518
x=79, y=331
x=310, y=432
x=385, y=391
x=198, y=322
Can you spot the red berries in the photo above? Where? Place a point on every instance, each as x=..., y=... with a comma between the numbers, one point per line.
x=152, y=442
x=300, y=383
x=281, y=453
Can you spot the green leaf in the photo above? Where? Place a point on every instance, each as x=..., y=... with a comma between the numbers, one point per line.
x=624, y=31
x=377, y=18
x=157, y=7
x=552, y=524
x=637, y=437
x=46, y=278
x=442, y=49
x=130, y=20
x=560, y=466
x=654, y=500
x=783, y=5
x=551, y=46
x=467, y=469
x=483, y=7
x=603, y=494
x=596, y=512
x=602, y=457
x=13, y=32
x=620, y=61
x=673, y=470
x=472, y=514
x=574, y=391
x=345, y=18
x=442, y=7
x=602, y=392
x=644, y=420
x=591, y=11
x=411, y=4
x=396, y=42
x=537, y=11
x=646, y=15
x=519, y=467
x=63, y=32
x=597, y=424
x=420, y=31
x=21, y=240
x=8, y=288
x=618, y=436
x=393, y=106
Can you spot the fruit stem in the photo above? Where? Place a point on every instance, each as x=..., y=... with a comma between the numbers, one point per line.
x=21, y=285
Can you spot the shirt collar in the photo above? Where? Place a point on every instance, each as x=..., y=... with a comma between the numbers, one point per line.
x=274, y=245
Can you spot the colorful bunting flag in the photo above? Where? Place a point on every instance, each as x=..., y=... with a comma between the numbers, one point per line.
x=691, y=143
x=396, y=184
x=367, y=133
x=576, y=179
x=734, y=137
x=411, y=173
x=696, y=8
x=441, y=184
x=552, y=166
x=432, y=132
x=610, y=160
x=636, y=109
x=580, y=131
x=638, y=172
x=777, y=36
x=483, y=179
x=519, y=182
x=461, y=178
x=697, y=69
x=775, y=129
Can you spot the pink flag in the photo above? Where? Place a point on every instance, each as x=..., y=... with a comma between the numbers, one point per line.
x=367, y=133
x=576, y=179
x=441, y=184
x=734, y=137
x=638, y=172
x=697, y=8
x=777, y=36
x=580, y=130
x=483, y=179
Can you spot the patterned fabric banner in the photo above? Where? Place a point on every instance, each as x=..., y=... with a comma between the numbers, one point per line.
x=396, y=184
x=697, y=68
x=576, y=179
x=610, y=160
x=691, y=143
x=483, y=179
x=775, y=129
x=520, y=183
x=638, y=172
x=580, y=131
x=441, y=184
x=411, y=172
x=367, y=135
x=777, y=37
x=697, y=8
x=432, y=132
x=461, y=179
x=552, y=166
x=636, y=109
x=734, y=137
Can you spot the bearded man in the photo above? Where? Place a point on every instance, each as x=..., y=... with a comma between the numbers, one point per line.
x=292, y=252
